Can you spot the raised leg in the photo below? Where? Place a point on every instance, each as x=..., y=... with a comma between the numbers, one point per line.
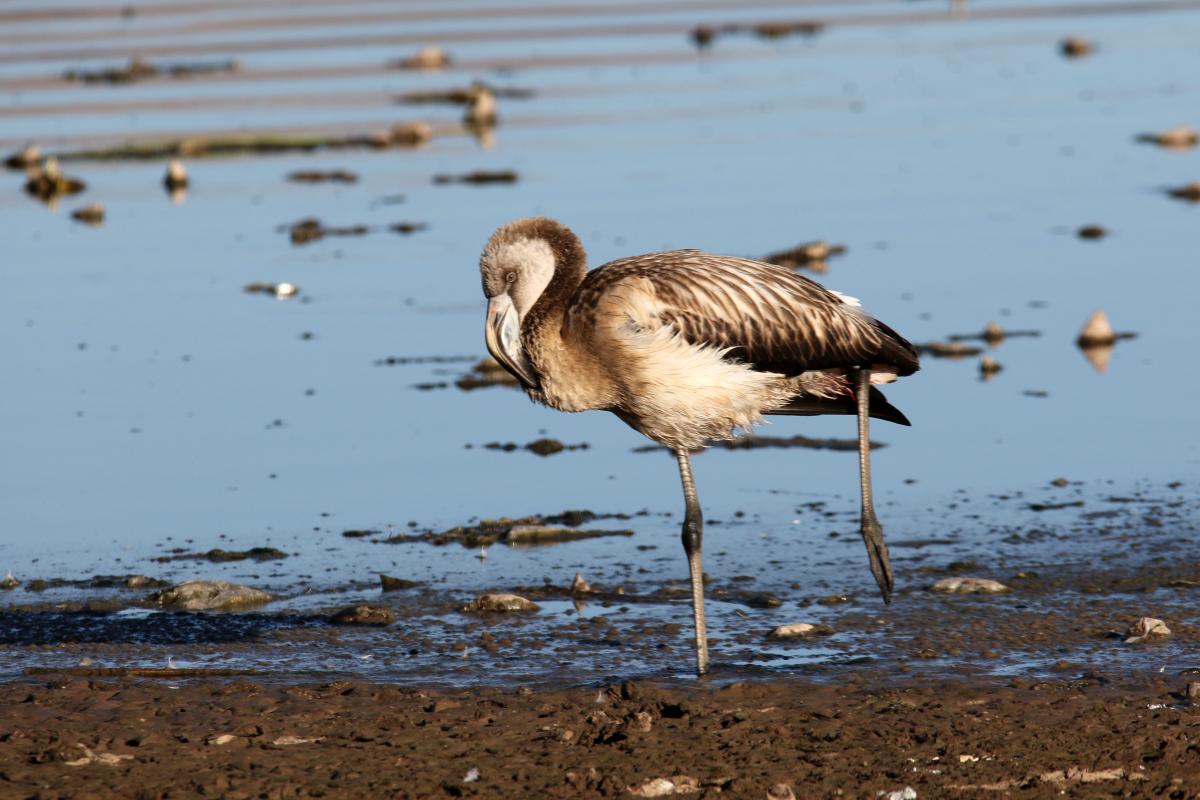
x=693, y=530
x=872, y=533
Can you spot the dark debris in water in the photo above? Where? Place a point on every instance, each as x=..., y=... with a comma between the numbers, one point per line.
x=953, y=349
x=1189, y=192
x=403, y=361
x=217, y=555
x=311, y=230
x=140, y=70
x=704, y=35
x=755, y=442
x=541, y=447
x=462, y=97
x=536, y=528
x=323, y=176
x=484, y=374
x=478, y=177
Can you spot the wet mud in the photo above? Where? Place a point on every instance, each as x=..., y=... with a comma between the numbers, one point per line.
x=1080, y=736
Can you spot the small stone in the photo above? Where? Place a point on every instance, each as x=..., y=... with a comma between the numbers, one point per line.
x=1147, y=629
x=907, y=793
x=91, y=214
x=1096, y=331
x=500, y=603
x=1180, y=138
x=9, y=583
x=288, y=741
x=781, y=791
x=1092, y=232
x=1075, y=47
x=969, y=586
x=410, y=134
x=138, y=581
x=993, y=333
x=26, y=158
x=363, y=614
x=642, y=722
x=580, y=586
x=426, y=58
x=224, y=738
x=665, y=787
x=989, y=366
x=1193, y=692
x=176, y=176
x=207, y=595
x=1189, y=192
x=481, y=108
x=800, y=630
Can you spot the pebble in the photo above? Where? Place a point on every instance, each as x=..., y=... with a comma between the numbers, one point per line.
x=91, y=214
x=1147, y=629
x=580, y=585
x=907, y=793
x=205, y=595
x=410, y=134
x=1174, y=139
x=989, y=366
x=1074, y=47
x=501, y=603
x=800, y=630
x=9, y=583
x=176, y=177
x=969, y=586
x=665, y=787
x=781, y=791
x=426, y=58
x=1189, y=192
x=1096, y=331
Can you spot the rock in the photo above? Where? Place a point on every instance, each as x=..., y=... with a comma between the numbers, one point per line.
x=389, y=584
x=993, y=333
x=665, y=787
x=1092, y=232
x=9, y=583
x=89, y=757
x=800, y=630
x=989, y=366
x=363, y=614
x=1147, y=629
x=425, y=58
x=580, y=586
x=1096, y=331
x=907, y=793
x=781, y=791
x=1074, y=47
x=27, y=158
x=969, y=586
x=1174, y=139
x=949, y=349
x=47, y=183
x=281, y=291
x=176, y=177
x=1193, y=692
x=1189, y=192
x=220, y=739
x=410, y=134
x=139, y=581
x=207, y=595
x=481, y=108
x=288, y=741
x=500, y=603
x=549, y=534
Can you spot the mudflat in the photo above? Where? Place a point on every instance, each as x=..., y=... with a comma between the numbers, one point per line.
x=1080, y=736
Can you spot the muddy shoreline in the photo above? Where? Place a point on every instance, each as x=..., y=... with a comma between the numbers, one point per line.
x=1084, y=737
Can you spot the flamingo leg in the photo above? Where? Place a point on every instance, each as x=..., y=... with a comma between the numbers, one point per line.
x=693, y=530
x=872, y=532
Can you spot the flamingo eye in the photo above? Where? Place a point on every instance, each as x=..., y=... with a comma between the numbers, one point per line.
x=510, y=277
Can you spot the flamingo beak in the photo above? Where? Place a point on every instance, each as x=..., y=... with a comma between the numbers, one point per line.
x=503, y=335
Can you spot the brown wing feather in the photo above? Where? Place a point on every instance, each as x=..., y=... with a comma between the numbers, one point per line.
x=766, y=315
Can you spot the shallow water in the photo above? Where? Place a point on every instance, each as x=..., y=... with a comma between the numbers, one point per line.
x=150, y=403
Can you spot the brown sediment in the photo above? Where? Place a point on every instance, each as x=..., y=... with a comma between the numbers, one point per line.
x=1074, y=736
